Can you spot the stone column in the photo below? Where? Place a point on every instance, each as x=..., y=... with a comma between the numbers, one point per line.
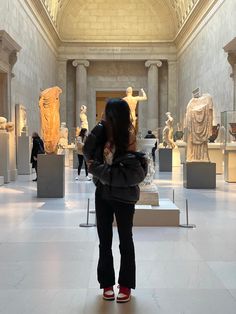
x=62, y=83
x=153, y=97
x=81, y=85
x=172, y=89
x=232, y=61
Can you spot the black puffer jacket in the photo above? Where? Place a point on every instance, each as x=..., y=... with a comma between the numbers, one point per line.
x=120, y=180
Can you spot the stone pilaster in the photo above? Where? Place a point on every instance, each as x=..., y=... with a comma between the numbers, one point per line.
x=81, y=86
x=172, y=89
x=62, y=83
x=232, y=61
x=153, y=95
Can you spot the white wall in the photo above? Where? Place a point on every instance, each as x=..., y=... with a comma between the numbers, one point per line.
x=36, y=65
x=204, y=63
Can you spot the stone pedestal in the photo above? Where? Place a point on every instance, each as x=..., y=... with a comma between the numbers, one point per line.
x=149, y=195
x=51, y=176
x=164, y=215
x=176, y=157
x=5, y=156
x=12, y=154
x=165, y=159
x=199, y=175
x=230, y=162
x=1, y=180
x=216, y=155
x=23, y=154
x=182, y=150
x=75, y=160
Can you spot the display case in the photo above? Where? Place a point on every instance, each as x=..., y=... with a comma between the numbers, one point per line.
x=228, y=122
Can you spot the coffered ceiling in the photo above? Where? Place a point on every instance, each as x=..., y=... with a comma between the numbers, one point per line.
x=111, y=20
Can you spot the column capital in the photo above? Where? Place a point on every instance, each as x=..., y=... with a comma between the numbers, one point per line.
x=85, y=63
x=158, y=63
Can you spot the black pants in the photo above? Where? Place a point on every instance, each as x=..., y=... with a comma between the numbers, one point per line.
x=81, y=160
x=124, y=213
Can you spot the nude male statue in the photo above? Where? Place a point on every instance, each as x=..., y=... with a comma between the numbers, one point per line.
x=132, y=102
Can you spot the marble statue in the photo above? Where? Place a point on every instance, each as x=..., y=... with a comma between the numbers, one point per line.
x=3, y=122
x=22, y=119
x=6, y=126
x=167, y=134
x=50, y=118
x=83, y=118
x=199, y=119
x=10, y=126
x=132, y=102
x=63, y=141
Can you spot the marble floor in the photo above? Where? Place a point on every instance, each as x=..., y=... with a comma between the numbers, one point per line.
x=48, y=262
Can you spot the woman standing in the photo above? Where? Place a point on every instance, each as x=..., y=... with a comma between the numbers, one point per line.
x=117, y=170
x=38, y=148
x=80, y=140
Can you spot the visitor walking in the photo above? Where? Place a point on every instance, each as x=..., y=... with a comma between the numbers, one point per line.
x=80, y=140
x=37, y=148
x=117, y=170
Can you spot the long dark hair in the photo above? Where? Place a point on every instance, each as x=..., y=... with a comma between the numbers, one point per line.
x=118, y=124
x=82, y=133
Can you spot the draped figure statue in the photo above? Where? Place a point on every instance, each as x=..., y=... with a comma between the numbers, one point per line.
x=199, y=119
x=49, y=105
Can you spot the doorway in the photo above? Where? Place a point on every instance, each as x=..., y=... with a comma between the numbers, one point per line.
x=103, y=96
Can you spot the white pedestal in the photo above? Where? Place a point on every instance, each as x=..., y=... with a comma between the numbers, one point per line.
x=176, y=157
x=1, y=180
x=216, y=156
x=230, y=162
x=164, y=215
x=5, y=156
x=23, y=154
x=149, y=195
x=12, y=154
x=182, y=150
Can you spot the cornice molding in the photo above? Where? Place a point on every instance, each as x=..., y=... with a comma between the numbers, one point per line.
x=48, y=30
x=196, y=17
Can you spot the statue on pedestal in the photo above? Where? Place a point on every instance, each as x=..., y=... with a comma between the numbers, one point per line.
x=3, y=122
x=50, y=118
x=83, y=118
x=6, y=126
x=132, y=102
x=167, y=134
x=199, y=118
x=63, y=141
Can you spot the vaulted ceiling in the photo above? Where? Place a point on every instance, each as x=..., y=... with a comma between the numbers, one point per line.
x=89, y=20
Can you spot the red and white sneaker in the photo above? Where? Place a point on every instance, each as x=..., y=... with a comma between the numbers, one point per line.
x=124, y=295
x=108, y=294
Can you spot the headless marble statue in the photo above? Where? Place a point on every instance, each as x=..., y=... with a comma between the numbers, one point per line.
x=199, y=118
x=132, y=102
x=50, y=118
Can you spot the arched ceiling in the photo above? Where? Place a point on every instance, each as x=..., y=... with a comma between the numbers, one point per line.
x=122, y=20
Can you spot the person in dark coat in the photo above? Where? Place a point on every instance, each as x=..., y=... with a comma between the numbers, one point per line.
x=151, y=135
x=38, y=148
x=117, y=171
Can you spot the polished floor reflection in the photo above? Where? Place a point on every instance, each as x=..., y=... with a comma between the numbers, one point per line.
x=48, y=262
